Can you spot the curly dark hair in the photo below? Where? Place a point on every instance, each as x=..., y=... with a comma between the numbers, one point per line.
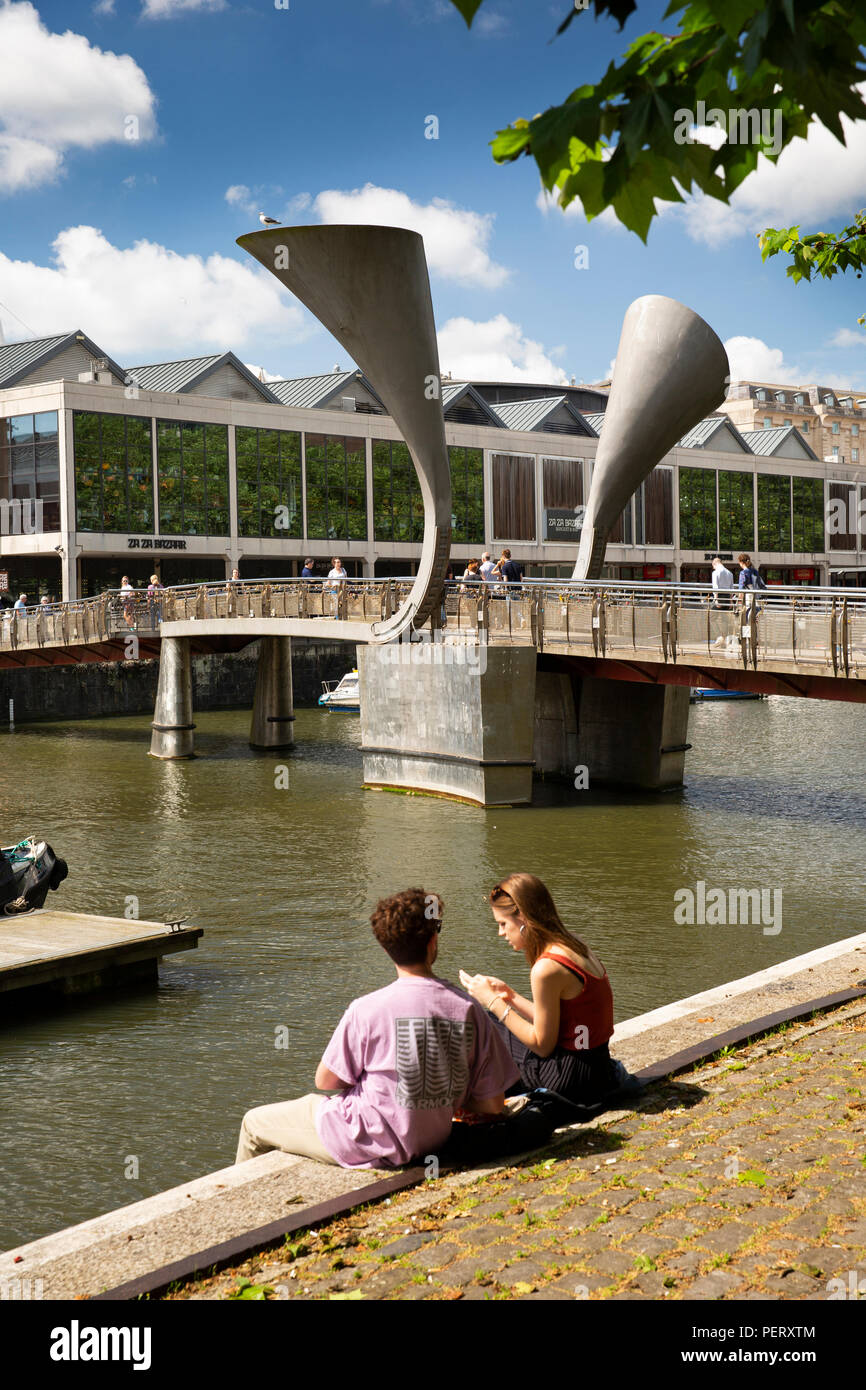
x=404, y=923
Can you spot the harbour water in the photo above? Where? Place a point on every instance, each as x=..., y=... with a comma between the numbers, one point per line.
x=281, y=858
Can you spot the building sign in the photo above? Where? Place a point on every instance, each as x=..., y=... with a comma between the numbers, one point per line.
x=653, y=571
x=807, y=574
x=154, y=543
x=722, y=554
x=4, y=580
x=563, y=523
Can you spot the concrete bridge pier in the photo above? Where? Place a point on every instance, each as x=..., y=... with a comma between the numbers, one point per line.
x=273, y=717
x=172, y=719
x=623, y=733
x=451, y=719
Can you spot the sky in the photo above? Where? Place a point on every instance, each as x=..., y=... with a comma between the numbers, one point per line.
x=140, y=138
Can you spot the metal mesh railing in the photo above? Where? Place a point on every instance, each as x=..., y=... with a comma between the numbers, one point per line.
x=817, y=630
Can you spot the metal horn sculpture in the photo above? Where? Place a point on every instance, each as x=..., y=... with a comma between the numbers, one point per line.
x=671, y=370
x=369, y=287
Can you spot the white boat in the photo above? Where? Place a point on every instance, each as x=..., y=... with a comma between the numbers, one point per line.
x=342, y=695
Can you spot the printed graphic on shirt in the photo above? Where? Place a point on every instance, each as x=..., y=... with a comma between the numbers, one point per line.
x=432, y=1061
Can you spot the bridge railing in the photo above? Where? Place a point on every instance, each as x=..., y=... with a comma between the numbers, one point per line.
x=821, y=629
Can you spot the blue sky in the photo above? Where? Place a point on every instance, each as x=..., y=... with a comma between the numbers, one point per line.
x=317, y=112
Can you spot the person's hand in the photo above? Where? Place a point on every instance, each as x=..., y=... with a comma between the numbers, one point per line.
x=484, y=988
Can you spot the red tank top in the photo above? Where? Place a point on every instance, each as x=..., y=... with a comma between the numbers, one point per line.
x=591, y=1011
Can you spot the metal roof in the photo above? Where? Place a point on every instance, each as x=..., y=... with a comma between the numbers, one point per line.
x=767, y=442
x=699, y=436
x=595, y=421
x=532, y=414
x=190, y=371
x=310, y=391
x=17, y=360
x=453, y=392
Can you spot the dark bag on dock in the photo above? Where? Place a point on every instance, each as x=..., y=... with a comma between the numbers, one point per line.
x=8, y=887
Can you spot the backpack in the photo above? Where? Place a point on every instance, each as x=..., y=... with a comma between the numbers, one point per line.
x=757, y=579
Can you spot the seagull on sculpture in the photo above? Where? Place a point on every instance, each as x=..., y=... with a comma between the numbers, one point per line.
x=268, y=221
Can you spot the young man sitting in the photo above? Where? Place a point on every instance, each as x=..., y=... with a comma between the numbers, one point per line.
x=402, y=1060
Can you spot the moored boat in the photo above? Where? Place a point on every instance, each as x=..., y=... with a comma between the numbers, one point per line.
x=27, y=871
x=343, y=695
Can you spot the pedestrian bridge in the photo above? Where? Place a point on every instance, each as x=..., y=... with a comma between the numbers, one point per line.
x=671, y=633
x=583, y=680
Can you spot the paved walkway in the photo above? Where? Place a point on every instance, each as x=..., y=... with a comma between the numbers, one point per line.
x=744, y=1179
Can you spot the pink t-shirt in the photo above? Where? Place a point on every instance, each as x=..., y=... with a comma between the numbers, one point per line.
x=411, y=1054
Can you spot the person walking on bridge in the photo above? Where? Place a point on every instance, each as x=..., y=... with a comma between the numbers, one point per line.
x=336, y=574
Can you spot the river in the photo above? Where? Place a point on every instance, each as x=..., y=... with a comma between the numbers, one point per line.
x=283, y=878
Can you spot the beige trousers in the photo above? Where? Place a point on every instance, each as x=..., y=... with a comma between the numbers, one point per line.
x=289, y=1125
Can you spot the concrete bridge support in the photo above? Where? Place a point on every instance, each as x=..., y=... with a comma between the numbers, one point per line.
x=172, y=720
x=625, y=734
x=273, y=717
x=450, y=720
x=632, y=735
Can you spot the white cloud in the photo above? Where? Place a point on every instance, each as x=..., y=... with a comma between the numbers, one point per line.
x=60, y=92
x=489, y=24
x=814, y=179
x=264, y=198
x=494, y=351
x=170, y=9
x=752, y=359
x=104, y=7
x=546, y=203
x=849, y=337
x=455, y=240
x=146, y=298
x=262, y=373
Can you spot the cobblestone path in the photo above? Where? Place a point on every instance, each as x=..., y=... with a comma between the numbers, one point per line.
x=744, y=1179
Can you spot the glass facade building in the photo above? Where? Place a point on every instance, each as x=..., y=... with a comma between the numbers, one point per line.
x=193, y=470
x=336, y=488
x=30, y=467
x=269, y=482
x=113, y=472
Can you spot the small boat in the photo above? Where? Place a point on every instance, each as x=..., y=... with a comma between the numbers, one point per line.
x=705, y=693
x=27, y=871
x=342, y=695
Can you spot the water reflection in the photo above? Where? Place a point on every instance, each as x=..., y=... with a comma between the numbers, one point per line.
x=283, y=880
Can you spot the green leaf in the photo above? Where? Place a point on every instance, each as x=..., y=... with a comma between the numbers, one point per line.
x=754, y=1176
x=254, y=1293
x=468, y=9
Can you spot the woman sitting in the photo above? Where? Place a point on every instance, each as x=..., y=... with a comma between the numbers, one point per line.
x=559, y=1037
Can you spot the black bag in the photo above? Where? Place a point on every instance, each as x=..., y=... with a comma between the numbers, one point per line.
x=757, y=579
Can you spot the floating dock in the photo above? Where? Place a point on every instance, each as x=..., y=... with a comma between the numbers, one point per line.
x=71, y=953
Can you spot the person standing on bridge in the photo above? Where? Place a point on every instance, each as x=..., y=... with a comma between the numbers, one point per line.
x=308, y=572
x=336, y=574
x=723, y=583
x=154, y=589
x=20, y=604
x=509, y=569
x=127, y=599
x=487, y=566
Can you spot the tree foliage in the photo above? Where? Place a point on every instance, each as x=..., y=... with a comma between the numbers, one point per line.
x=618, y=142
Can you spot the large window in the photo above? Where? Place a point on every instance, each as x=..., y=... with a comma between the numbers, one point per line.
x=336, y=488
x=658, y=507
x=736, y=511
x=269, y=482
x=113, y=472
x=467, y=495
x=562, y=482
x=30, y=470
x=513, y=497
x=774, y=513
x=808, y=498
x=841, y=520
x=698, y=509
x=398, y=508
x=193, y=478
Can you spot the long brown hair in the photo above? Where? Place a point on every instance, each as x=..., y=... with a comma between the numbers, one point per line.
x=526, y=895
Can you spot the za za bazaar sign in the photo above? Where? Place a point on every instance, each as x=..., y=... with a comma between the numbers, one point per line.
x=153, y=543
